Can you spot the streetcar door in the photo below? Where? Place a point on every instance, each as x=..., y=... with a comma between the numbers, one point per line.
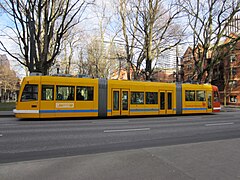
x=162, y=99
x=47, y=103
x=169, y=100
x=120, y=102
x=116, y=102
x=166, y=102
x=124, y=102
x=209, y=101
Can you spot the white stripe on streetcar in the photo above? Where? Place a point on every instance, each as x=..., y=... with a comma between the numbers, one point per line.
x=15, y=111
x=126, y=130
x=220, y=124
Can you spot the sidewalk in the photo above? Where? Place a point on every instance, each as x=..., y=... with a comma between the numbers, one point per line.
x=230, y=108
x=205, y=160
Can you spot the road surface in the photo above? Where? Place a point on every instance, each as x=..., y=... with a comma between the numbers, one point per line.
x=22, y=140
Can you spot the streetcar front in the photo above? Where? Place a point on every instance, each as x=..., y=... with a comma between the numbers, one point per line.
x=27, y=105
x=216, y=99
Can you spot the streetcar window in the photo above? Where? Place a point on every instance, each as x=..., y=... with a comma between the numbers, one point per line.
x=189, y=95
x=30, y=93
x=216, y=96
x=137, y=97
x=115, y=100
x=151, y=98
x=200, y=95
x=65, y=93
x=124, y=100
x=169, y=100
x=162, y=100
x=209, y=101
x=85, y=93
x=47, y=92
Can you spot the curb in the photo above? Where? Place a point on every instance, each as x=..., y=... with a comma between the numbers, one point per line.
x=6, y=114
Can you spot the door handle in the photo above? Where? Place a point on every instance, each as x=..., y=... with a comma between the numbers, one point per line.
x=34, y=106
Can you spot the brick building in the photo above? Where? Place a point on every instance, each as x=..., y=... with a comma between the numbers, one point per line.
x=226, y=74
x=163, y=75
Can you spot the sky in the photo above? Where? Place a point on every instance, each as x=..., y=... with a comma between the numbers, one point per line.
x=4, y=22
x=90, y=25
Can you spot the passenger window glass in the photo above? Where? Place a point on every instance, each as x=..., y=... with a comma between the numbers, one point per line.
x=169, y=100
x=162, y=100
x=115, y=100
x=189, y=95
x=151, y=98
x=30, y=93
x=216, y=96
x=65, y=93
x=209, y=101
x=200, y=95
x=47, y=92
x=125, y=100
x=85, y=93
x=137, y=97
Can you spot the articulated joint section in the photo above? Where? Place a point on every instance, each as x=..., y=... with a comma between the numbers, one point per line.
x=102, y=97
x=179, y=98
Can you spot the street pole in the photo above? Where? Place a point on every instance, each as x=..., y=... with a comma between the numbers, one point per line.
x=177, y=63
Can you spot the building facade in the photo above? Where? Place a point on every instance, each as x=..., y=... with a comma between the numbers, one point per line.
x=226, y=73
x=9, y=82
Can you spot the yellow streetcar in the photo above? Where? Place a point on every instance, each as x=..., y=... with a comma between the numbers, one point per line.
x=54, y=96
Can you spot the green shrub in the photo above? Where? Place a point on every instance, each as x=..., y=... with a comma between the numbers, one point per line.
x=7, y=106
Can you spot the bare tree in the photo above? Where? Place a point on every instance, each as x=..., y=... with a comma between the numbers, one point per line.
x=39, y=27
x=8, y=79
x=148, y=29
x=68, y=55
x=100, y=49
x=209, y=21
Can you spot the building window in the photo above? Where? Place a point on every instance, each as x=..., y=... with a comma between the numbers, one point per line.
x=233, y=99
x=232, y=58
x=189, y=67
x=190, y=56
x=137, y=97
x=232, y=83
x=234, y=71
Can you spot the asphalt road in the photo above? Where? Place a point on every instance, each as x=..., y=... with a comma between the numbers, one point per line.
x=22, y=140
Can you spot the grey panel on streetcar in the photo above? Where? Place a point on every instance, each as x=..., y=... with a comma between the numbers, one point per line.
x=102, y=97
x=179, y=98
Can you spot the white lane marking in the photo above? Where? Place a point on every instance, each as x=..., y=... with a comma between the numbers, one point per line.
x=220, y=124
x=8, y=124
x=126, y=130
x=1, y=135
x=109, y=122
